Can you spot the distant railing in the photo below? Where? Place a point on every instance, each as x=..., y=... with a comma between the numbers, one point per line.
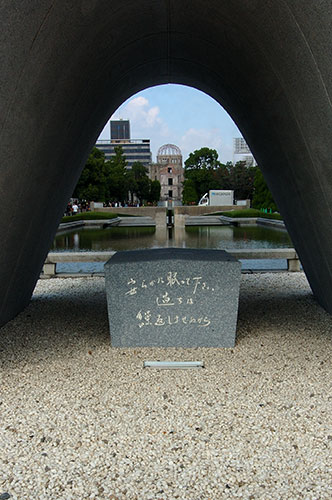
x=54, y=258
x=118, y=142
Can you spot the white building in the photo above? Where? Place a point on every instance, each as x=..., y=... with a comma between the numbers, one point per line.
x=241, y=152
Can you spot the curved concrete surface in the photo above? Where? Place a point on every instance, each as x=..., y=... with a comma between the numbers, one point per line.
x=67, y=65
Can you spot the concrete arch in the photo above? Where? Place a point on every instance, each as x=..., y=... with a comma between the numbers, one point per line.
x=67, y=65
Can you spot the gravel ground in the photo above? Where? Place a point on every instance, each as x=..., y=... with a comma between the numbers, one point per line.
x=80, y=420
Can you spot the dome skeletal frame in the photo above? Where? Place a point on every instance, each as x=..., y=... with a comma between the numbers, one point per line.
x=169, y=150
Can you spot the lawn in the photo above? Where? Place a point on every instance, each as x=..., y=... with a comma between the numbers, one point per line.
x=250, y=212
x=88, y=216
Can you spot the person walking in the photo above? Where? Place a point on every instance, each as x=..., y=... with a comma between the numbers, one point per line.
x=75, y=208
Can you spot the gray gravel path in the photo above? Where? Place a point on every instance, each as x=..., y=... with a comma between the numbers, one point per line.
x=80, y=420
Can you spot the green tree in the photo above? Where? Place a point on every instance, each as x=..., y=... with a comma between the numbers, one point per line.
x=222, y=176
x=199, y=174
x=189, y=193
x=154, y=195
x=93, y=182
x=202, y=158
x=202, y=180
x=241, y=180
x=262, y=195
x=117, y=181
x=139, y=182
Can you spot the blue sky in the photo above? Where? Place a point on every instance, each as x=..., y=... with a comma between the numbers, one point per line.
x=178, y=115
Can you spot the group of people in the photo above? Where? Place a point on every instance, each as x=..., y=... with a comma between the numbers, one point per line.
x=119, y=204
x=75, y=206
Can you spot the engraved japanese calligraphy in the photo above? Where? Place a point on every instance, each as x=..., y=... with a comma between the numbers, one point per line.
x=166, y=290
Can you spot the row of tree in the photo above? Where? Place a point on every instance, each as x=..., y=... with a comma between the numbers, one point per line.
x=111, y=181
x=203, y=171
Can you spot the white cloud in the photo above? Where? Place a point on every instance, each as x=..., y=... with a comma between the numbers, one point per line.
x=177, y=115
x=145, y=122
x=199, y=138
x=142, y=116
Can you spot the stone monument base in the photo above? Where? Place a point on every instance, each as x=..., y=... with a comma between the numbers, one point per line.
x=172, y=297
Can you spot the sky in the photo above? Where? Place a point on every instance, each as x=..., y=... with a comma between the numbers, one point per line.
x=180, y=115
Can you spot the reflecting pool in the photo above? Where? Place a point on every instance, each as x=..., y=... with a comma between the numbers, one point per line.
x=130, y=238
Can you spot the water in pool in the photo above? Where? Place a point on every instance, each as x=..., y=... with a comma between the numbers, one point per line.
x=130, y=238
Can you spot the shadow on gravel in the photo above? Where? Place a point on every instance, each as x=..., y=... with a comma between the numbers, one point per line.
x=286, y=313
x=58, y=325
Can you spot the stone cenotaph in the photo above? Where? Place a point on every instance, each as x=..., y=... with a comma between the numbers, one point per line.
x=172, y=297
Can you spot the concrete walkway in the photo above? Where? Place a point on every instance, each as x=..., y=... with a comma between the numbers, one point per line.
x=82, y=420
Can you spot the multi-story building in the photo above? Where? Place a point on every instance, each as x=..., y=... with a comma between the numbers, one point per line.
x=133, y=149
x=241, y=152
x=169, y=172
x=120, y=129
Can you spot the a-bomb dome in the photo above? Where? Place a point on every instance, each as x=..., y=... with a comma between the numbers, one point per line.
x=169, y=150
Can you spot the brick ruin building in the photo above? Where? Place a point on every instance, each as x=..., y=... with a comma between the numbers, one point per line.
x=169, y=172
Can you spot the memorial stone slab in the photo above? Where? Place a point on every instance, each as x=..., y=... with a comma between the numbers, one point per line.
x=172, y=297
